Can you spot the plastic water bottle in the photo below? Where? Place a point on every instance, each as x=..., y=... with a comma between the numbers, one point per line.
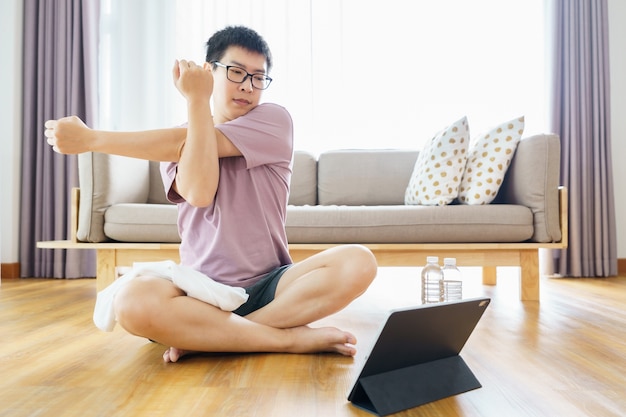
x=431, y=281
x=452, y=282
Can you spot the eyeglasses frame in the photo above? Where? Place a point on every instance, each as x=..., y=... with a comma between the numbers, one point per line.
x=248, y=75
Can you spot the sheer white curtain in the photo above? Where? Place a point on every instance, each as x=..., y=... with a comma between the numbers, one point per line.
x=136, y=57
x=353, y=73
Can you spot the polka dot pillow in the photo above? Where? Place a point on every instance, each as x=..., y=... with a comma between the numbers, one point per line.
x=488, y=160
x=439, y=167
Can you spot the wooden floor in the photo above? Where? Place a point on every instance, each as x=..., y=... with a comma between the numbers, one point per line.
x=563, y=356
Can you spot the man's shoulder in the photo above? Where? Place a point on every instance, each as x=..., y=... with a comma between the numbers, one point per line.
x=271, y=110
x=271, y=107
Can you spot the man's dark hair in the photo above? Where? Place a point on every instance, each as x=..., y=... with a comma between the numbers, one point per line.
x=241, y=36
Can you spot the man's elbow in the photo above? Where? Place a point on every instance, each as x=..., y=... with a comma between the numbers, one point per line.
x=199, y=200
x=196, y=196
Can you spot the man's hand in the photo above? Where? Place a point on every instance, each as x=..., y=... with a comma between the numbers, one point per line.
x=192, y=80
x=68, y=135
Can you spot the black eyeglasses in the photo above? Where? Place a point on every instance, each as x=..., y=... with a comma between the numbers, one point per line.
x=239, y=75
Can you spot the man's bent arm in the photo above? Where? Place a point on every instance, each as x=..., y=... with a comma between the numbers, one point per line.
x=197, y=175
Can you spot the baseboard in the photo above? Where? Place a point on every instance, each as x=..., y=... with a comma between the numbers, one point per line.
x=621, y=266
x=10, y=271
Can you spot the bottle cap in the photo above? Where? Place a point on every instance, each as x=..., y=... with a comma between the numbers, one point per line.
x=449, y=261
x=432, y=259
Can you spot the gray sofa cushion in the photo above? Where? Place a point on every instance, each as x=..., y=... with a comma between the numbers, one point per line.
x=347, y=224
x=409, y=224
x=364, y=177
x=142, y=223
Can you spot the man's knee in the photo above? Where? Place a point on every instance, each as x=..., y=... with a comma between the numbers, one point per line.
x=359, y=265
x=133, y=306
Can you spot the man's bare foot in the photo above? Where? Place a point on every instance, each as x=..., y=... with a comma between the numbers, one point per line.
x=323, y=339
x=304, y=339
x=173, y=354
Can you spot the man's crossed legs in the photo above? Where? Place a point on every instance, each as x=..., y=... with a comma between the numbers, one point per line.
x=308, y=291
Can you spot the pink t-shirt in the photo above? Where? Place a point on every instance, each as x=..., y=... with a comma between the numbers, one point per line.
x=241, y=236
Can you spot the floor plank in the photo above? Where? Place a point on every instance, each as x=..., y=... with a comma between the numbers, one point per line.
x=563, y=356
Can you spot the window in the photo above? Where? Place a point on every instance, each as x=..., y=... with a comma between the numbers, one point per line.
x=353, y=73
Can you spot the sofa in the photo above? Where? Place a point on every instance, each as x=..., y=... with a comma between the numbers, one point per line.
x=342, y=196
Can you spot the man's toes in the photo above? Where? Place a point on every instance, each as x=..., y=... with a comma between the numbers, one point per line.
x=171, y=355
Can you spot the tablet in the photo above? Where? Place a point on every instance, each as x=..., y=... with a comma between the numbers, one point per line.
x=415, y=359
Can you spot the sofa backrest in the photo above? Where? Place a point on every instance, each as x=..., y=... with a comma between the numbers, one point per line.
x=303, y=189
x=156, y=191
x=364, y=177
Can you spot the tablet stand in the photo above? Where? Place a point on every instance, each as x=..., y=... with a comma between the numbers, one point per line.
x=404, y=388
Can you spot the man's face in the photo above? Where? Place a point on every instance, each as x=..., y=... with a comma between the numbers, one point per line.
x=230, y=99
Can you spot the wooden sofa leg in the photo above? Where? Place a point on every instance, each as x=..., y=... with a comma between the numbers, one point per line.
x=529, y=276
x=105, y=269
x=489, y=275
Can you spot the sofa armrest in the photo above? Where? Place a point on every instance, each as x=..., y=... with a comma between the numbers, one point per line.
x=532, y=180
x=105, y=180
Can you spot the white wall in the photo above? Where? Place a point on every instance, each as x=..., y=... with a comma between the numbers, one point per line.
x=10, y=116
x=10, y=125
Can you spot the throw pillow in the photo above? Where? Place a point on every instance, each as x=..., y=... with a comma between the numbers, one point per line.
x=488, y=160
x=438, y=171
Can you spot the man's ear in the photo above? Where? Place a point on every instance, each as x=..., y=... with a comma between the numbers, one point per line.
x=207, y=66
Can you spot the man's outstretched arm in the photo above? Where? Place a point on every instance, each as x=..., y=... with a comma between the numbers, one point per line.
x=70, y=135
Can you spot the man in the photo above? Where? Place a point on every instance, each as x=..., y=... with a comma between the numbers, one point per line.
x=229, y=172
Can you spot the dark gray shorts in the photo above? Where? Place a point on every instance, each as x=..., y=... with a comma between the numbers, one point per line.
x=262, y=292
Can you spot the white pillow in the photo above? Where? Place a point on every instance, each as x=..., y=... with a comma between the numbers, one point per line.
x=489, y=158
x=439, y=167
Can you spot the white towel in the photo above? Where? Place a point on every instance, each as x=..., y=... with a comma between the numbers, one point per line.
x=194, y=283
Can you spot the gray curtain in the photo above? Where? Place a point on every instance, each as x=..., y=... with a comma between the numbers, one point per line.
x=581, y=116
x=60, y=79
